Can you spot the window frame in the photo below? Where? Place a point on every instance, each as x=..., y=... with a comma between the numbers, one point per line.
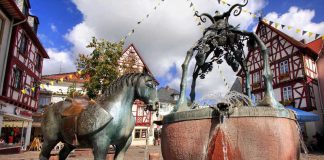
x=25, y=44
x=256, y=80
x=284, y=67
x=143, y=133
x=17, y=84
x=287, y=93
x=38, y=62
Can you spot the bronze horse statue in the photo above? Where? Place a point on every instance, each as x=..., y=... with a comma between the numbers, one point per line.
x=109, y=121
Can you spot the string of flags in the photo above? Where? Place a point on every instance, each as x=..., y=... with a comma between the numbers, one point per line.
x=28, y=90
x=277, y=25
x=297, y=30
x=224, y=2
x=142, y=20
x=197, y=20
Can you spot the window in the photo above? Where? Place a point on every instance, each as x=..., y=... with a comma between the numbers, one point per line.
x=38, y=62
x=284, y=68
x=287, y=93
x=2, y=23
x=44, y=101
x=17, y=78
x=175, y=97
x=256, y=77
x=23, y=44
x=140, y=133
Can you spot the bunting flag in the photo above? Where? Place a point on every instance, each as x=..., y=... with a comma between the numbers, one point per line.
x=23, y=91
x=140, y=22
x=33, y=89
x=276, y=25
x=310, y=34
x=42, y=86
x=298, y=30
x=270, y=23
x=79, y=72
x=322, y=37
x=282, y=26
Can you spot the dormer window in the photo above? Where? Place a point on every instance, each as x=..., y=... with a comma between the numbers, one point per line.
x=22, y=5
x=175, y=97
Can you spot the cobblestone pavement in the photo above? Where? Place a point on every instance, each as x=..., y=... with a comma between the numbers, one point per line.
x=133, y=153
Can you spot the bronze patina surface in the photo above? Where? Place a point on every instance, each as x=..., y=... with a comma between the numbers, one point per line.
x=110, y=121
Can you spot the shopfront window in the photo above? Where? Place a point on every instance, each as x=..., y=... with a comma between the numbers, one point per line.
x=140, y=133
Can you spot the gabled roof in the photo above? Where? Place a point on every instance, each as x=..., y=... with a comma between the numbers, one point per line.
x=293, y=41
x=316, y=45
x=139, y=55
x=166, y=95
x=66, y=77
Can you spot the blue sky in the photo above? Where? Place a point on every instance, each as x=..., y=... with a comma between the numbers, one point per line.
x=162, y=39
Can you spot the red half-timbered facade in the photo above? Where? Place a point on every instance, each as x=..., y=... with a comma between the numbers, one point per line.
x=25, y=59
x=293, y=65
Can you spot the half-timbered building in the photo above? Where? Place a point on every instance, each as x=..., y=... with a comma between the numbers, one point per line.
x=21, y=70
x=293, y=64
x=132, y=62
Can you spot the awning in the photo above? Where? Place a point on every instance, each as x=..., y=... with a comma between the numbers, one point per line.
x=303, y=116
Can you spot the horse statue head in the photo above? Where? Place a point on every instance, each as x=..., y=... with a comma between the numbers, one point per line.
x=146, y=91
x=142, y=85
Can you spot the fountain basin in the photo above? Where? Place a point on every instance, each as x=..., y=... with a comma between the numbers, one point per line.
x=249, y=133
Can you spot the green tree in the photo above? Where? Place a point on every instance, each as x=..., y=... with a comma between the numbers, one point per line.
x=101, y=66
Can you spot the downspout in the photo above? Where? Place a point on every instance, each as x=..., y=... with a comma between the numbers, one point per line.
x=6, y=56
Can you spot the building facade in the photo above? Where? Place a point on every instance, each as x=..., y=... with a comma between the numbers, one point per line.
x=295, y=74
x=21, y=59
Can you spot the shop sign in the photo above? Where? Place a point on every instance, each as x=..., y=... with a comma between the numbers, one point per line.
x=18, y=111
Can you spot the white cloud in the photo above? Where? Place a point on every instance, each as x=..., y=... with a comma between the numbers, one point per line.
x=53, y=28
x=59, y=62
x=163, y=39
x=299, y=19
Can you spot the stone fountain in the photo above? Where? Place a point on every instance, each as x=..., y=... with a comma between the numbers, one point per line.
x=228, y=130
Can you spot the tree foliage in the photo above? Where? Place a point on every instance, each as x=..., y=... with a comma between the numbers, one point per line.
x=101, y=66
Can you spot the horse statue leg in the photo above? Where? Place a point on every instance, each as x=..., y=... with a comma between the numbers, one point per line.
x=100, y=145
x=50, y=129
x=121, y=148
x=65, y=151
x=47, y=147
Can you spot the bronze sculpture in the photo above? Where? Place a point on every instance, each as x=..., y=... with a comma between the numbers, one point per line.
x=222, y=40
x=109, y=121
